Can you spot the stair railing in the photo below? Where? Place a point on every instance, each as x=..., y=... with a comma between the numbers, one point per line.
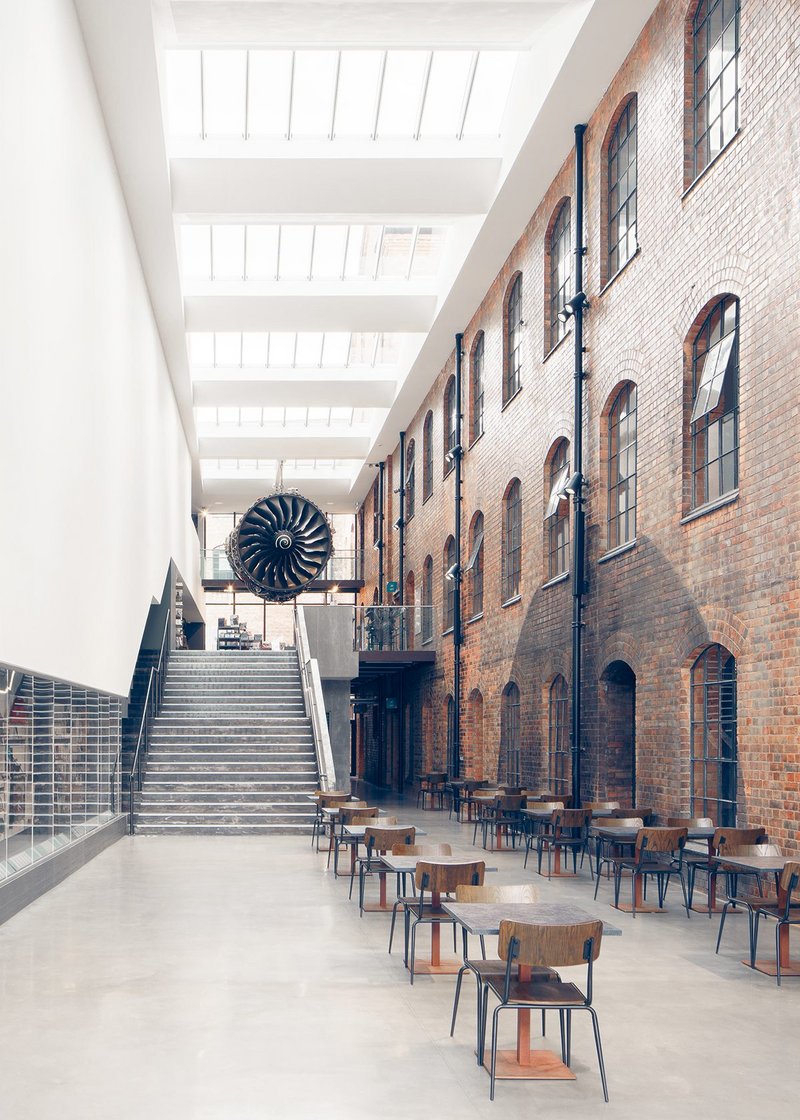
x=152, y=706
x=314, y=702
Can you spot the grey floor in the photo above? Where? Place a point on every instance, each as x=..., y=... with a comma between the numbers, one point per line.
x=230, y=978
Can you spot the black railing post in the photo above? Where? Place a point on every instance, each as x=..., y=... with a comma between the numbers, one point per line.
x=379, y=543
x=457, y=452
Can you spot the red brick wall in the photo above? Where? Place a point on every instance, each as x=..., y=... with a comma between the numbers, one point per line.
x=729, y=576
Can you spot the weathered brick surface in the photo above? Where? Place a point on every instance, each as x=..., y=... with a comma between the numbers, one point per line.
x=729, y=576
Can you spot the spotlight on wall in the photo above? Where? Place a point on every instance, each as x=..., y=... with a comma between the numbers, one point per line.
x=452, y=573
x=453, y=453
x=572, y=305
x=574, y=484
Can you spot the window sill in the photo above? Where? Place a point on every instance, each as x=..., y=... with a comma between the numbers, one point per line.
x=713, y=163
x=510, y=602
x=427, y=641
x=563, y=339
x=614, y=552
x=448, y=471
x=427, y=497
x=620, y=271
x=511, y=399
x=555, y=581
x=406, y=521
x=709, y=507
x=475, y=618
x=477, y=437
x=449, y=630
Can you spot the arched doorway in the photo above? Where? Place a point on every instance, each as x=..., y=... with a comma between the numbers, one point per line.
x=617, y=755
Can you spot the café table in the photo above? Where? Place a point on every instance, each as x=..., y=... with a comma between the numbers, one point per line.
x=767, y=865
x=626, y=837
x=408, y=864
x=483, y=919
x=358, y=830
x=542, y=816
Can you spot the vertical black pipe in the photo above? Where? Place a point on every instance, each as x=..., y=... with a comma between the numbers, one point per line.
x=578, y=543
x=457, y=635
x=401, y=523
x=381, y=484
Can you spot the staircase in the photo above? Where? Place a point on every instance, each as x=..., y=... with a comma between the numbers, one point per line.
x=232, y=750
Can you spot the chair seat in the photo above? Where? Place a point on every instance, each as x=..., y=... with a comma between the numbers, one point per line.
x=498, y=968
x=538, y=992
x=428, y=911
x=774, y=911
x=651, y=867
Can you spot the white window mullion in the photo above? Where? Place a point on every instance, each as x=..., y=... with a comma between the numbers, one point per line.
x=473, y=66
x=425, y=80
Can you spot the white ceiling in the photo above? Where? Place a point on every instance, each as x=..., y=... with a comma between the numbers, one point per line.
x=481, y=189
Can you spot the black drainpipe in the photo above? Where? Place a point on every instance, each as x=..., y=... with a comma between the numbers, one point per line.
x=457, y=634
x=578, y=304
x=381, y=483
x=401, y=522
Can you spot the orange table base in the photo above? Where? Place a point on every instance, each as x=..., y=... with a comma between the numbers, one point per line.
x=788, y=966
x=542, y=1065
x=557, y=871
x=436, y=966
x=381, y=905
x=642, y=907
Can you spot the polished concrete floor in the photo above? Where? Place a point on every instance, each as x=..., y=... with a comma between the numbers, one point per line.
x=229, y=978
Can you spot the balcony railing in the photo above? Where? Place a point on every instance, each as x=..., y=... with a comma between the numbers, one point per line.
x=393, y=628
x=341, y=567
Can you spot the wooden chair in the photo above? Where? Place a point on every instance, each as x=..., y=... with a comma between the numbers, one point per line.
x=436, y=879
x=569, y=832
x=785, y=914
x=430, y=851
x=749, y=903
x=723, y=840
x=645, y=814
x=431, y=786
x=502, y=817
x=531, y=828
x=604, y=849
x=532, y=947
x=658, y=853
x=336, y=803
x=377, y=840
x=601, y=806
x=352, y=814
x=324, y=801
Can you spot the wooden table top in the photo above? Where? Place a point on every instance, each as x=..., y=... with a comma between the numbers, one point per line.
x=409, y=863
x=757, y=863
x=612, y=833
x=484, y=918
x=360, y=829
x=333, y=811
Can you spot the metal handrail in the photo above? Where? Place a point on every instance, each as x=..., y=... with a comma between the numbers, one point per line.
x=314, y=702
x=152, y=706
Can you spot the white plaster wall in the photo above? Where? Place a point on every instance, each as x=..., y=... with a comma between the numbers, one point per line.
x=94, y=465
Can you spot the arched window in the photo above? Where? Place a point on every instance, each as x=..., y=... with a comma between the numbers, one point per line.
x=473, y=746
x=622, y=468
x=450, y=422
x=556, y=513
x=622, y=184
x=560, y=276
x=453, y=767
x=713, y=759
x=714, y=419
x=410, y=479
x=376, y=513
x=474, y=568
x=558, y=737
x=476, y=390
x=714, y=79
x=427, y=457
x=413, y=621
x=512, y=373
x=427, y=599
x=510, y=735
x=449, y=585
x=512, y=541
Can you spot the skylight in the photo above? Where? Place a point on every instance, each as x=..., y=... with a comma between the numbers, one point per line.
x=324, y=94
x=267, y=468
x=291, y=416
x=287, y=349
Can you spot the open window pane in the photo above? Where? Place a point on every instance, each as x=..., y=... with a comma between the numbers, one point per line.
x=227, y=246
x=184, y=104
x=557, y=491
x=712, y=378
x=402, y=92
x=295, y=254
x=262, y=252
x=357, y=93
x=489, y=94
x=476, y=547
x=196, y=252
x=270, y=83
x=329, y=247
x=312, y=93
x=224, y=94
x=444, y=99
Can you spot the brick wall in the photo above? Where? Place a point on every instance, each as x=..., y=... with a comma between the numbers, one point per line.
x=728, y=576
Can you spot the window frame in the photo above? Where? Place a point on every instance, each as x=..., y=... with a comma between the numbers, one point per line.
x=559, y=248
x=709, y=430
x=616, y=486
x=511, y=733
x=449, y=423
x=512, y=366
x=410, y=480
x=511, y=573
x=427, y=456
x=616, y=205
x=708, y=730
x=474, y=566
x=557, y=524
x=427, y=600
x=448, y=586
x=703, y=95
x=559, y=755
x=477, y=360
x=376, y=519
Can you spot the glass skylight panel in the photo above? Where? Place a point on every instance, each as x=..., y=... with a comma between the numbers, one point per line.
x=309, y=348
x=250, y=416
x=388, y=350
x=228, y=415
x=196, y=252
x=362, y=348
x=184, y=102
x=357, y=92
x=427, y=250
x=206, y=415
x=360, y=416
x=312, y=93
x=401, y=95
x=335, y=348
x=227, y=252
x=445, y=93
x=489, y=93
x=295, y=252
x=224, y=93
x=227, y=348
x=281, y=348
x=363, y=243
x=201, y=348
x=341, y=416
x=269, y=90
x=261, y=261
x=296, y=416
x=396, y=251
x=275, y=416
x=319, y=415
x=329, y=249
x=254, y=348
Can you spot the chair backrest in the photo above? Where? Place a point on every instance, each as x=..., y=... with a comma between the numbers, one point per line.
x=504, y=892
x=510, y=802
x=436, y=779
x=661, y=839
x=542, y=806
x=723, y=837
x=594, y=806
x=444, y=877
x=627, y=822
x=790, y=877
x=551, y=946
x=375, y=822
x=431, y=850
x=645, y=814
x=689, y=822
x=379, y=839
x=571, y=818
x=511, y=789
x=326, y=800
x=753, y=850
x=356, y=814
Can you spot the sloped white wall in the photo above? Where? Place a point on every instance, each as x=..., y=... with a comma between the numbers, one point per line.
x=94, y=467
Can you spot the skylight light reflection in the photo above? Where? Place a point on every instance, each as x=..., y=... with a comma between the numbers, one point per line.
x=262, y=252
x=184, y=102
x=285, y=349
x=281, y=348
x=329, y=251
x=309, y=349
x=227, y=248
x=196, y=251
x=363, y=243
x=396, y=251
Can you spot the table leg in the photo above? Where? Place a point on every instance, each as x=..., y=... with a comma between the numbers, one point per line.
x=436, y=966
x=788, y=966
x=382, y=904
x=642, y=907
x=524, y=1063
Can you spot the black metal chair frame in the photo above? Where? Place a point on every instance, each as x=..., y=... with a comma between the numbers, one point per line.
x=661, y=870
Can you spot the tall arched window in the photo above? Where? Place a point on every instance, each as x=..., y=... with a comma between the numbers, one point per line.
x=510, y=735
x=476, y=390
x=713, y=759
x=413, y=621
x=450, y=422
x=427, y=599
x=376, y=512
x=410, y=479
x=512, y=541
x=512, y=372
x=449, y=585
x=453, y=767
x=474, y=568
x=427, y=457
x=715, y=79
x=473, y=746
x=714, y=420
x=556, y=512
x=558, y=737
x=560, y=272
x=622, y=468
x=622, y=184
